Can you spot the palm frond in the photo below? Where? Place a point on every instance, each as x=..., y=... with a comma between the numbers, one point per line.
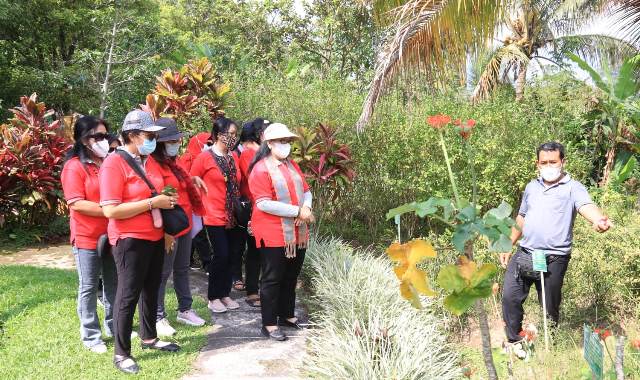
x=509, y=56
x=629, y=12
x=597, y=79
x=429, y=35
x=595, y=48
x=568, y=16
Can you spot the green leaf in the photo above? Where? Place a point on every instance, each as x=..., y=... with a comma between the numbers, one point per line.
x=461, y=235
x=467, y=214
x=458, y=303
x=484, y=275
x=501, y=212
x=597, y=79
x=503, y=244
x=449, y=278
x=626, y=84
x=405, y=208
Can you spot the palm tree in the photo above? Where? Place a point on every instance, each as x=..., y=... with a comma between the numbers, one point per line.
x=435, y=37
x=545, y=30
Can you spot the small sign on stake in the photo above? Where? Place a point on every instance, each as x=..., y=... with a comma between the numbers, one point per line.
x=593, y=352
x=539, y=259
x=397, y=220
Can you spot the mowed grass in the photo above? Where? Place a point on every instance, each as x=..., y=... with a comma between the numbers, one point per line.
x=40, y=338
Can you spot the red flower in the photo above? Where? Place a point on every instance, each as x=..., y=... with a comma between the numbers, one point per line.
x=438, y=121
x=635, y=343
x=603, y=333
x=465, y=129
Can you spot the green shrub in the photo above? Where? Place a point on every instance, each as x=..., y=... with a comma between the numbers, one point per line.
x=368, y=331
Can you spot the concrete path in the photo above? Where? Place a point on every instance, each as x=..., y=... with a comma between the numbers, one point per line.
x=235, y=348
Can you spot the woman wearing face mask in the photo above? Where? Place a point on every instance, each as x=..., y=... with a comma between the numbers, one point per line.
x=250, y=139
x=281, y=214
x=136, y=234
x=219, y=170
x=87, y=224
x=179, y=247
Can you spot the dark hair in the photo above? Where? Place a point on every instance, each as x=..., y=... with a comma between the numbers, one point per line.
x=551, y=146
x=263, y=152
x=221, y=125
x=82, y=129
x=114, y=138
x=252, y=130
x=126, y=135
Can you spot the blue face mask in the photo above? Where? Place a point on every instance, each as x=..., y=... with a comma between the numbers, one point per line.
x=171, y=149
x=147, y=147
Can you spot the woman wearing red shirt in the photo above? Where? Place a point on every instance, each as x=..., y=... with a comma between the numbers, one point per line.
x=219, y=170
x=137, y=238
x=279, y=222
x=179, y=253
x=250, y=139
x=87, y=224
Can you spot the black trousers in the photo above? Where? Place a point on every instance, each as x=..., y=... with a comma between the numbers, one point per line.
x=201, y=245
x=139, y=268
x=226, y=244
x=278, y=286
x=516, y=289
x=240, y=236
x=252, y=266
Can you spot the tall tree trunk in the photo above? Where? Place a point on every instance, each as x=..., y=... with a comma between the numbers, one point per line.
x=521, y=80
x=481, y=312
x=608, y=167
x=104, y=91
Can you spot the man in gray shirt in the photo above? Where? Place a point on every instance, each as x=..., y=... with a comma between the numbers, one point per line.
x=545, y=220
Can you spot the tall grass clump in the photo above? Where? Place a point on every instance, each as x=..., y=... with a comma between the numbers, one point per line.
x=367, y=330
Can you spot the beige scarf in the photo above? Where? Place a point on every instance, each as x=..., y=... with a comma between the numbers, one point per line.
x=291, y=241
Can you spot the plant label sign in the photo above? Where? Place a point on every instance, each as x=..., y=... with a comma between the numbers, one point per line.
x=539, y=261
x=593, y=352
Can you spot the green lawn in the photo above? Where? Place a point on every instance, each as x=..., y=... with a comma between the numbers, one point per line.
x=40, y=332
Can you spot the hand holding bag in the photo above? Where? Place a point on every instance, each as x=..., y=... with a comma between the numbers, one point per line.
x=174, y=220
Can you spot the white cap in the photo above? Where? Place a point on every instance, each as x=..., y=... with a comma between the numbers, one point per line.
x=277, y=131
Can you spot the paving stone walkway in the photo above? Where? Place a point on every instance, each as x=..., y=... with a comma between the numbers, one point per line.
x=235, y=348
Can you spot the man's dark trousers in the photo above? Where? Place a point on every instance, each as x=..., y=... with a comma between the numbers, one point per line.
x=516, y=289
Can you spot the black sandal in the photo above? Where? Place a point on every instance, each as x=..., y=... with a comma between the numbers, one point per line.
x=239, y=285
x=171, y=347
x=118, y=361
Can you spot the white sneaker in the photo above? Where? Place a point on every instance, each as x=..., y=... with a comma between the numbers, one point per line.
x=189, y=317
x=163, y=328
x=99, y=348
x=217, y=306
x=230, y=304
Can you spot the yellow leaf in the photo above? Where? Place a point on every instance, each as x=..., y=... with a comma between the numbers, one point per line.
x=407, y=292
x=399, y=271
x=467, y=268
x=419, y=250
x=398, y=253
x=418, y=279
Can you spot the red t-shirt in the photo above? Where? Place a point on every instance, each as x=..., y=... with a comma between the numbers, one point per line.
x=195, y=146
x=268, y=227
x=205, y=167
x=80, y=183
x=120, y=184
x=183, y=197
x=245, y=160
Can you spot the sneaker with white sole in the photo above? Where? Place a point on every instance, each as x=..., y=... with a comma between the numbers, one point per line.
x=230, y=303
x=99, y=348
x=163, y=328
x=217, y=306
x=189, y=317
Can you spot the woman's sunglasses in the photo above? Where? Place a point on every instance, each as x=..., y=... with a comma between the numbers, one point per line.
x=99, y=136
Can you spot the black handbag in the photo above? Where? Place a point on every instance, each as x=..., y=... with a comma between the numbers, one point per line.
x=524, y=262
x=174, y=220
x=241, y=205
x=103, y=247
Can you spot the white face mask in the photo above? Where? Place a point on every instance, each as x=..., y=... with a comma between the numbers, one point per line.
x=550, y=174
x=281, y=150
x=100, y=148
x=171, y=149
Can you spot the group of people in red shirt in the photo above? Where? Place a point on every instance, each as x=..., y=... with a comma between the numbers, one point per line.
x=121, y=203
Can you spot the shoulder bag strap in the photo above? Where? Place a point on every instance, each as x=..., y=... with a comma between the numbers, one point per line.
x=137, y=169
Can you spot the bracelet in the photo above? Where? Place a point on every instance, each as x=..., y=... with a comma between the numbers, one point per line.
x=150, y=203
